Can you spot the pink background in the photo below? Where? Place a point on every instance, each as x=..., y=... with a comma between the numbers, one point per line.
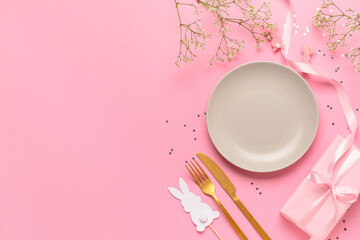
x=86, y=88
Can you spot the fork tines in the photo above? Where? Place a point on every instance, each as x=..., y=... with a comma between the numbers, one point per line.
x=199, y=176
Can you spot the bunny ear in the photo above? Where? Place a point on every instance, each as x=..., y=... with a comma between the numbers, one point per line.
x=184, y=188
x=176, y=193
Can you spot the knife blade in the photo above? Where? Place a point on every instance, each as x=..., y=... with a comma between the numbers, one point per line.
x=230, y=189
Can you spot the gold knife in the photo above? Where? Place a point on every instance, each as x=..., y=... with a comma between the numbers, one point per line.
x=229, y=187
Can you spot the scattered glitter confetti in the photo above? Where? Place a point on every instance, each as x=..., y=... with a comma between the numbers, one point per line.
x=294, y=15
x=342, y=55
x=304, y=34
x=296, y=32
x=297, y=26
x=294, y=24
x=324, y=34
x=330, y=10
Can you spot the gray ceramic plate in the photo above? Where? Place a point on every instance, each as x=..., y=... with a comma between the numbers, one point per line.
x=262, y=116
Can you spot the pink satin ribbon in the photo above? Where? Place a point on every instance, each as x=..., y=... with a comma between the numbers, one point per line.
x=327, y=182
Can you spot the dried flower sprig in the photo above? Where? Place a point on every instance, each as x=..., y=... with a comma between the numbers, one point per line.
x=192, y=36
x=354, y=57
x=325, y=19
x=255, y=21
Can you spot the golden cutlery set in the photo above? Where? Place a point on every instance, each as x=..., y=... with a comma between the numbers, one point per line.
x=206, y=185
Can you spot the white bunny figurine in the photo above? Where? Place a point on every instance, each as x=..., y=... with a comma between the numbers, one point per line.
x=201, y=214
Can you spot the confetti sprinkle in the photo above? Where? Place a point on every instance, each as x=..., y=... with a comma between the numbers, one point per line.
x=297, y=26
x=304, y=34
x=324, y=34
x=296, y=32
x=294, y=15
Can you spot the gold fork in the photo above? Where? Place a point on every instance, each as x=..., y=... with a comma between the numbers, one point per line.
x=207, y=186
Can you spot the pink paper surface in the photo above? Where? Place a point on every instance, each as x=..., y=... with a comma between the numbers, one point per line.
x=91, y=105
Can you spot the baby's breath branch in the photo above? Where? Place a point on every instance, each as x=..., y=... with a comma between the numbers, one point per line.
x=324, y=19
x=254, y=20
x=191, y=35
x=354, y=57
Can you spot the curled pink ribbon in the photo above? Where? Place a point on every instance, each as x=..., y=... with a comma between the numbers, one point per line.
x=326, y=182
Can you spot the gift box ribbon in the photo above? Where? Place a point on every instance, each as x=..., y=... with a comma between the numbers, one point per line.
x=328, y=182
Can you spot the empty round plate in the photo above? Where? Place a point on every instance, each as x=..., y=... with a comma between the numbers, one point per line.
x=262, y=116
